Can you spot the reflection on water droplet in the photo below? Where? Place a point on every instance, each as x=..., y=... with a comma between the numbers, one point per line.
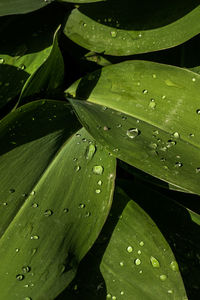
x=34, y=205
x=191, y=135
x=119, y=125
x=170, y=292
x=108, y=296
x=114, y=297
x=193, y=79
x=33, y=251
x=152, y=104
x=66, y=210
x=84, y=25
x=100, y=182
x=198, y=170
x=98, y=191
x=48, y=213
x=178, y=164
x=129, y=249
x=140, y=271
x=174, y=266
x=163, y=277
x=88, y=214
x=176, y=135
x=141, y=243
x=12, y=191
x=121, y=263
x=81, y=205
x=20, y=277
x=105, y=128
x=98, y=170
x=122, y=293
x=5, y=204
x=35, y=237
x=137, y=262
x=17, y=250
x=77, y=168
x=145, y=91
x=113, y=33
x=198, y=111
x=170, y=143
x=154, y=76
x=90, y=151
x=124, y=118
x=27, y=298
x=139, y=252
x=32, y=193
x=153, y=145
x=155, y=263
x=163, y=97
x=26, y=269
x=132, y=133
x=1, y=60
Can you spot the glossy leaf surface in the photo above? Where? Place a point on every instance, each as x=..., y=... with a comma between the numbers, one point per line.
x=48, y=222
x=128, y=27
x=146, y=114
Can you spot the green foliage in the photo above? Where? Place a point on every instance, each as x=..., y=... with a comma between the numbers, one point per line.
x=99, y=150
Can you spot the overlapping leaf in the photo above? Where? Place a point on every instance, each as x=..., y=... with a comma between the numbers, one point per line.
x=146, y=114
x=48, y=219
x=128, y=27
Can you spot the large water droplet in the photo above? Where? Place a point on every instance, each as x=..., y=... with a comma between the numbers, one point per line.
x=163, y=277
x=155, y=263
x=132, y=133
x=20, y=277
x=174, y=266
x=129, y=249
x=48, y=213
x=26, y=269
x=98, y=170
x=137, y=262
x=90, y=151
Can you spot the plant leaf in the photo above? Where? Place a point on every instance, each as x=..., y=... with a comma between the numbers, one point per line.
x=12, y=7
x=147, y=114
x=79, y=1
x=129, y=27
x=48, y=220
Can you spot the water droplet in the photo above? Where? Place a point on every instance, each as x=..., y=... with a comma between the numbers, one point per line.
x=81, y=205
x=163, y=97
x=108, y=296
x=152, y=104
x=66, y=210
x=88, y=214
x=145, y=91
x=163, y=277
x=1, y=60
x=155, y=263
x=105, y=128
x=21, y=67
x=198, y=111
x=32, y=193
x=137, y=262
x=178, y=164
x=34, y=237
x=98, y=170
x=176, y=135
x=170, y=143
x=191, y=135
x=33, y=251
x=153, y=145
x=132, y=133
x=174, y=266
x=77, y=168
x=90, y=151
x=48, y=213
x=5, y=204
x=34, y=205
x=26, y=269
x=116, y=150
x=124, y=118
x=27, y=298
x=12, y=191
x=193, y=79
x=98, y=191
x=84, y=25
x=170, y=292
x=139, y=252
x=121, y=263
x=100, y=182
x=198, y=170
x=154, y=76
x=119, y=125
x=113, y=33
x=141, y=243
x=129, y=249
x=20, y=277
x=140, y=271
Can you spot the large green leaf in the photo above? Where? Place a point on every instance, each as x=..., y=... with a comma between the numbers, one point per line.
x=22, y=54
x=117, y=27
x=80, y=1
x=48, y=219
x=148, y=115
x=138, y=263
x=12, y=7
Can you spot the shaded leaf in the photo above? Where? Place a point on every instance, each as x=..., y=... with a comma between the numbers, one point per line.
x=48, y=222
x=147, y=114
x=130, y=27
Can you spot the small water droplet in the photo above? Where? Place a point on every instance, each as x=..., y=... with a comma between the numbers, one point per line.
x=197, y=170
x=48, y=213
x=174, y=266
x=154, y=76
x=141, y=243
x=77, y=168
x=66, y=210
x=5, y=204
x=152, y=104
x=17, y=250
x=137, y=261
x=124, y=118
x=170, y=292
x=108, y=296
x=191, y=135
x=100, y=182
x=90, y=151
x=84, y=25
x=139, y=252
x=132, y=133
x=34, y=237
x=26, y=269
x=178, y=164
x=129, y=249
x=198, y=111
x=119, y=125
x=116, y=150
x=113, y=33
x=98, y=191
x=34, y=205
x=121, y=263
x=170, y=143
x=98, y=170
x=27, y=298
x=145, y=91
x=81, y=205
x=155, y=263
x=153, y=145
x=33, y=251
x=20, y=277
x=163, y=97
x=32, y=193
x=193, y=79
x=105, y=128
x=176, y=135
x=21, y=67
x=88, y=214
x=163, y=277
x=12, y=191
x=1, y=60
x=140, y=271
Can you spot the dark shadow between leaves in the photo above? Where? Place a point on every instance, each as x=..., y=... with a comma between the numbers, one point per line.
x=138, y=15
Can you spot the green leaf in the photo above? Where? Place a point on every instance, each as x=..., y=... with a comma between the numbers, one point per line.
x=129, y=27
x=49, y=76
x=138, y=261
x=21, y=55
x=146, y=114
x=48, y=220
x=12, y=7
x=79, y=1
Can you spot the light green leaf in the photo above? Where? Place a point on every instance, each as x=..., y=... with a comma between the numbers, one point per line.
x=48, y=220
x=148, y=115
x=21, y=55
x=138, y=261
x=128, y=27
x=12, y=7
